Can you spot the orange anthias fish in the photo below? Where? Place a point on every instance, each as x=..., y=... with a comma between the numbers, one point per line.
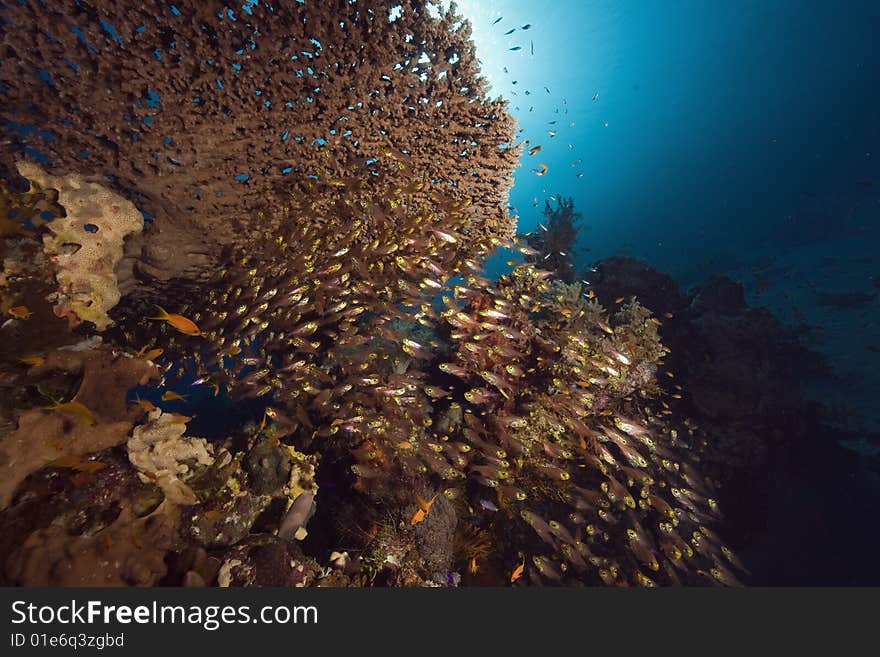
x=423, y=505
x=422, y=511
x=20, y=312
x=150, y=354
x=417, y=517
x=145, y=404
x=517, y=572
x=76, y=408
x=32, y=360
x=181, y=323
x=170, y=395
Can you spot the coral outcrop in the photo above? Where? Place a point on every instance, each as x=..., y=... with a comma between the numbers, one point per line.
x=161, y=455
x=130, y=552
x=86, y=244
x=553, y=240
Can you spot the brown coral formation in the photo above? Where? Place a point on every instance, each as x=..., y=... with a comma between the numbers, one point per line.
x=46, y=435
x=130, y=552
x=211, y=120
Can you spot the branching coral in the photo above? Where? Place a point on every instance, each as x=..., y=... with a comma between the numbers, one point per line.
x=554, y=239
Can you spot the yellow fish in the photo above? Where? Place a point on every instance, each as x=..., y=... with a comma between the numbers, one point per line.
x=76, y=408
x=145, y=404
x=181, y=323
x=32, y=360
x=170, y=395
x=77, y=463
x=152, y=354
x=20, y=312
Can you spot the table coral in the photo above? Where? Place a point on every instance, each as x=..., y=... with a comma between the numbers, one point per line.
x=213, y=121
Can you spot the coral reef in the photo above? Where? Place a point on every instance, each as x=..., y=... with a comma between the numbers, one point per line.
x=736, y=375
x=408, y=418
x=85, y=245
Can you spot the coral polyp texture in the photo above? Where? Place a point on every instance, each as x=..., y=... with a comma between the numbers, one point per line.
x=204, y=115
x=392, y=416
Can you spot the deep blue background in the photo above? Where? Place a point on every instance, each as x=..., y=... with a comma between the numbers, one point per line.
x=742, y=137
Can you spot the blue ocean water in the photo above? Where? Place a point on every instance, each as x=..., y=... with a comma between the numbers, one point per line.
x=740, y=138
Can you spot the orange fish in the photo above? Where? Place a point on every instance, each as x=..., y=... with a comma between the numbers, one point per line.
x=215, y=387
x=668, y=315
x=591, y=294
x=417, y=517
x=517, y=572
x=145, y=404
x=170, y=395
x=176, y=418
x=32, y=360
x=77, y=409
x=181, y=323
x=423, y=505
x=619, y=300
x=152, y=354
x=472, y=566
x=20, y=312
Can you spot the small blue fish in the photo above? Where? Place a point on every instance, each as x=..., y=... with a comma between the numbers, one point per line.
x=498, y=20
x=489, y=506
